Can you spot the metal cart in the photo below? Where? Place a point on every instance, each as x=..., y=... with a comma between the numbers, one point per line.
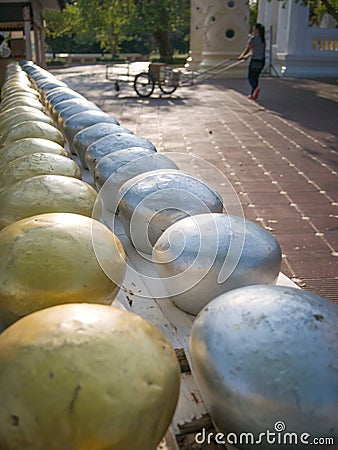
x=167, y=78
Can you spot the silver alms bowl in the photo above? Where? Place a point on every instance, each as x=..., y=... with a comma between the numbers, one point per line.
x=58, y=95
x=113, y=170
x=71, y=110
x=265, y=359
x=112, y=143
x=149, y=203
x=60, y=106
x=84, y=138
x=78, y=122
x=48, y=84
x=201, y=257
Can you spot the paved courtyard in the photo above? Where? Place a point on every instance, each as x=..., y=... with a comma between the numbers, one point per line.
x=280, y=153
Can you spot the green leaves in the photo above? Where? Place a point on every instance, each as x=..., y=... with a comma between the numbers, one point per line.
x=116, y=21
x=109, y=18
x=64, y=23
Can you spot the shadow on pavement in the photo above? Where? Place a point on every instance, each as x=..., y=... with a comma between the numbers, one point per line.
x=313, y=104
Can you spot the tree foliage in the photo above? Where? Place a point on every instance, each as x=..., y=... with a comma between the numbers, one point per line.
x=110, y=19
x=160, y=17
x=319, y=6
x=59, y=24
x=114, y=22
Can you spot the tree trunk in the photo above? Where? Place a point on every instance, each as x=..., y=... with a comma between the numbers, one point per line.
x=52, y=45
x=164, y=45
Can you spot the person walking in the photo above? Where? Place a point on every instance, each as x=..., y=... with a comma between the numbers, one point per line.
x=255, y=49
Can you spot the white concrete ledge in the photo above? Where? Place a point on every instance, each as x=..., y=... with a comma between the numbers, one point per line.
x=83, y=58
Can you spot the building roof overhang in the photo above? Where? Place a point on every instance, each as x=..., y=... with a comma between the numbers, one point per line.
x=55, y=5
x=11, y=17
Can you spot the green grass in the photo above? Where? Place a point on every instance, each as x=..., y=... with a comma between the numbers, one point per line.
x=178, y=59
x=55, y=62
x=110, y=59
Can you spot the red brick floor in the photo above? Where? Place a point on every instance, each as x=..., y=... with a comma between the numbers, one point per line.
x=280, y=154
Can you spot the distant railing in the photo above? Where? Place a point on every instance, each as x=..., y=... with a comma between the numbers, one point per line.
x=82, y=58
x=324, y=39
x=326, y=45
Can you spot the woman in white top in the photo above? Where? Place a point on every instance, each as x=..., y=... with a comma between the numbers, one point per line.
x=255, y=49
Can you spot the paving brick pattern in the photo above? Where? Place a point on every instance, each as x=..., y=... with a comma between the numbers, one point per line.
x=279, y=153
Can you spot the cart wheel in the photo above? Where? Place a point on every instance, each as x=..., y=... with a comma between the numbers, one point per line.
x=144, y=84
x=170, y=82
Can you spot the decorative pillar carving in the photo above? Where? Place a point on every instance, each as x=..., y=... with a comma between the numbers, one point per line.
x=196, y=34
x=226, y=29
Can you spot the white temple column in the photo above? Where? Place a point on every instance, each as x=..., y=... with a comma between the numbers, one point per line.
x=268, y=11
x=292, y=28
x=298, y=24
x=295, y=53
x=226, y=28
x=196, y=34
x=298, y=50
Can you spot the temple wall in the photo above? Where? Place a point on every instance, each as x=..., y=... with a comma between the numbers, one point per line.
x=220, y=29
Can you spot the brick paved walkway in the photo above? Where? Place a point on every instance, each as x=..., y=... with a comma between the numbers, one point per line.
x=280, y=154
